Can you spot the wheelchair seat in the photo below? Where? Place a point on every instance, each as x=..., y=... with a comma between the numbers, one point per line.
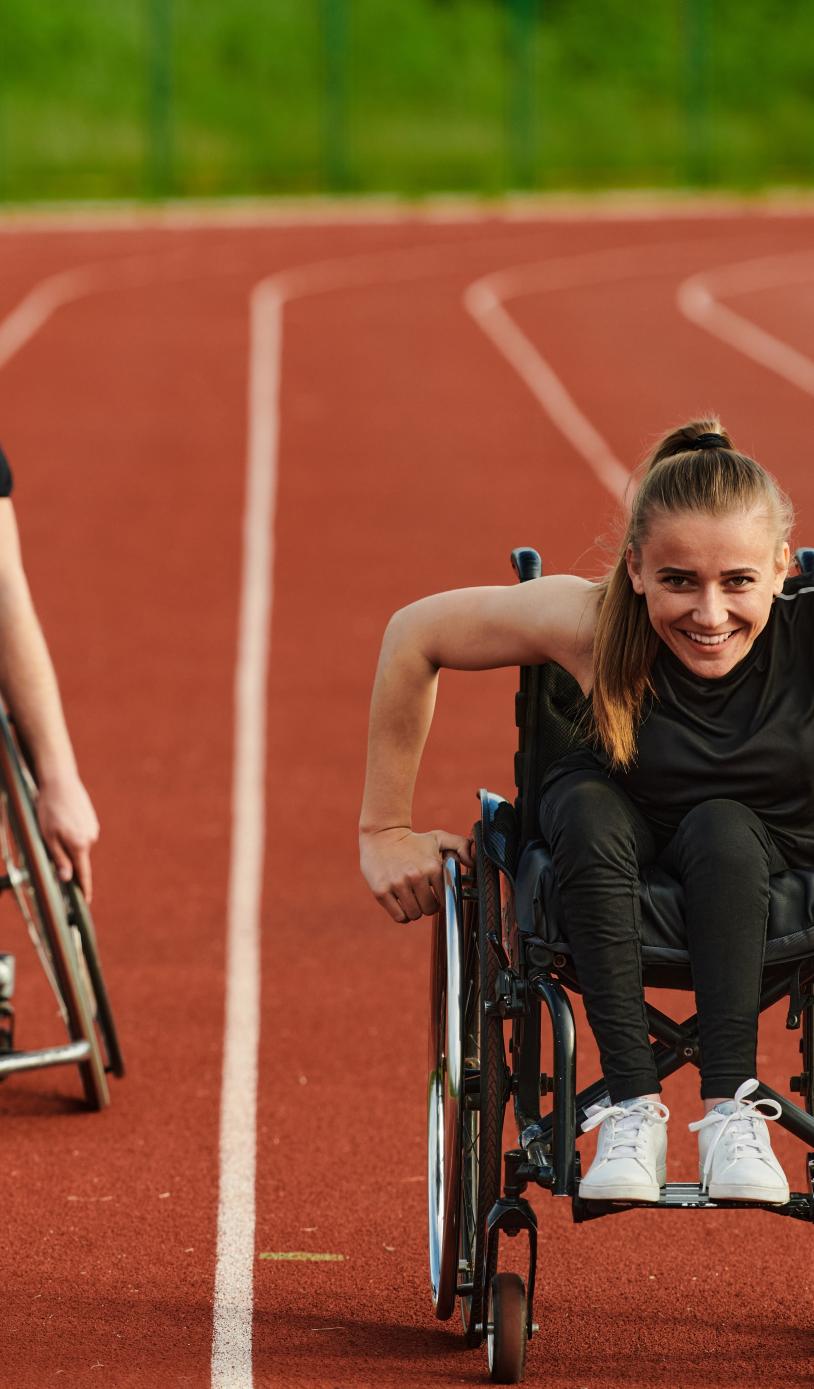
x=790, y=933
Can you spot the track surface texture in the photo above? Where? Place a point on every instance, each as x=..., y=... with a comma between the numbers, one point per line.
x=413, y=455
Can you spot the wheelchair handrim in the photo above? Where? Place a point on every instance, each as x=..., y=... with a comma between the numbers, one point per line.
x=445, y=1096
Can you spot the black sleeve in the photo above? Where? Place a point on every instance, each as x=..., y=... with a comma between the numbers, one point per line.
x=6, y=479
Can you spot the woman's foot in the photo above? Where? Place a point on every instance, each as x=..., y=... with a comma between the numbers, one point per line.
x=631, y=1154
x=735, y=1157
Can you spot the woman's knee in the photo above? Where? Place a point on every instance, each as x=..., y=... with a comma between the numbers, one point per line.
x=588, y=820
x=723, y=830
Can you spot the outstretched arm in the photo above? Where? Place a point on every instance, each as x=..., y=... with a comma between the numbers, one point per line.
x=467, y=629
x=29, y=686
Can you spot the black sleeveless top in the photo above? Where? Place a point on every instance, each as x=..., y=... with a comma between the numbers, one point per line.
x=6, y=480
x=746, y=736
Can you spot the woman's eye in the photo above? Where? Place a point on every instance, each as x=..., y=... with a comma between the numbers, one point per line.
x=740, y=580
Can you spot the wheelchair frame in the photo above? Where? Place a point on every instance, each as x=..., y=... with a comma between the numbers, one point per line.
x=61, y=929
x=470, y=1083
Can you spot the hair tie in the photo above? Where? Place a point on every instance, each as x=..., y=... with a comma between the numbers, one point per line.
x=708, y=441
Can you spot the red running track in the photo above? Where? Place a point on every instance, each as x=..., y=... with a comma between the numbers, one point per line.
x=412, y=458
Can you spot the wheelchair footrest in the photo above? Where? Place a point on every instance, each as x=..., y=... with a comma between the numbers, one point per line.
x=683, y=1195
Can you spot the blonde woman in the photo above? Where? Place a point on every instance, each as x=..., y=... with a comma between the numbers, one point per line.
x=699, y=699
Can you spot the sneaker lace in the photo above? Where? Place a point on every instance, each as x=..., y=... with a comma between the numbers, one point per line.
x=627, y=1126
x=738, y=1130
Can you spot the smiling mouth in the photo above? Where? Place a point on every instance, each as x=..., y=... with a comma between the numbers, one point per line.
x=714, y=640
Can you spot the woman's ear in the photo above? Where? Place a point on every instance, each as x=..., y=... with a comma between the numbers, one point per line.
x=781, y=567
x=634, y=569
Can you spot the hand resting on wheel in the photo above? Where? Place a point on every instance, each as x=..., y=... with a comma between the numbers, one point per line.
x=69, y=827
x=404, y=870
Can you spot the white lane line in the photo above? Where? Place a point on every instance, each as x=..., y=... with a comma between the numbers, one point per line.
x=54, y=292
x=545, y=385
x=697, y=299
x=234, y=1272
x=37, y=306
x=485, y=298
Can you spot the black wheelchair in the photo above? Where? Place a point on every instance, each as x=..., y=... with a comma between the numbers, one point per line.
x=56, y=918
x=498, y=953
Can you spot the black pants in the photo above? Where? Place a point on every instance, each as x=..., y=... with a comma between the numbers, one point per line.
x=723, y=855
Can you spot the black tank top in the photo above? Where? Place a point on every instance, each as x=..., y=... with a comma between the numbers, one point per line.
x=746, y=736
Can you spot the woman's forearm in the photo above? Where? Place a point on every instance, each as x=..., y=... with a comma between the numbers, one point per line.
x=28, y=682
x=401, y=713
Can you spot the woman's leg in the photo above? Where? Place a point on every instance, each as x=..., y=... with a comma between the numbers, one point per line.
x=598, y=841
x=723, y=854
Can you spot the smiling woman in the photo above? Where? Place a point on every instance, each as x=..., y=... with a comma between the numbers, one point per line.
x=698, y=755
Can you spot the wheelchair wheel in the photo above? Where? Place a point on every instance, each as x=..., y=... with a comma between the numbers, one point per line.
x=507, y=1329
x=486, y=1093
x=58, y=924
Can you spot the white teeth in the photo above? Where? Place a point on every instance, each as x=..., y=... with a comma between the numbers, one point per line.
x=709, y=641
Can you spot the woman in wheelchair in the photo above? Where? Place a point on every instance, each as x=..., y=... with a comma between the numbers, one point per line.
x=696, y=674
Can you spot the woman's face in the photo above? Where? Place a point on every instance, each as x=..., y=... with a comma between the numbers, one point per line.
x=709, y=582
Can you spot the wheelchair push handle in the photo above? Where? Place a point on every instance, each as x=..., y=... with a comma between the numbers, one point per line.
x=526, y=563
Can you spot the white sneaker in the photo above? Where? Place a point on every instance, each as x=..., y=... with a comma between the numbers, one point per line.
x=631, y=1154
x=735, y=1157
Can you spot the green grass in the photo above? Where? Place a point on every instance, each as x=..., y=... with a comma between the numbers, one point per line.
x=620, y=95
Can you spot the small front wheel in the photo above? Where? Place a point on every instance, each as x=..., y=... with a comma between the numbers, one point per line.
x=507, y=1329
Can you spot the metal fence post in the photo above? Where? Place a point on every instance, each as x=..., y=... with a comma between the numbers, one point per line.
x=334, y=95
x=696, y=90
x=159, y=132
x=4, y=152
x=522, y=16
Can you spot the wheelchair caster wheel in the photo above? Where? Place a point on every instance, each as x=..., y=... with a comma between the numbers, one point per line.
x=506, y=1329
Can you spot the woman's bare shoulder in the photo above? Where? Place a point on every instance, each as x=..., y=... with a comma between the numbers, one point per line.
x=568, y=608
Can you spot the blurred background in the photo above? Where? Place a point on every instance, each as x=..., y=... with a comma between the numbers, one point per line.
x=168, y=98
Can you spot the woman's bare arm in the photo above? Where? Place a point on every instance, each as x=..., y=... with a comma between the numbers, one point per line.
x=29, y=686
x=466, y=629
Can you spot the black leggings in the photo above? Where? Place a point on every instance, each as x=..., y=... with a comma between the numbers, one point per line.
x=723, y=855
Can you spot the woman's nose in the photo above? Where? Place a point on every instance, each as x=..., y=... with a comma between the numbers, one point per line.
x=711, y=609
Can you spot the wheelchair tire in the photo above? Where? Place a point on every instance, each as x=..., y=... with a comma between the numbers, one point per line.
x=82, y=922
x=486, y=1083
x=507, y=1329
x=43, y=903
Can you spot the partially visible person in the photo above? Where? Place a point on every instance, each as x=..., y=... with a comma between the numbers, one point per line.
x=28, y=685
